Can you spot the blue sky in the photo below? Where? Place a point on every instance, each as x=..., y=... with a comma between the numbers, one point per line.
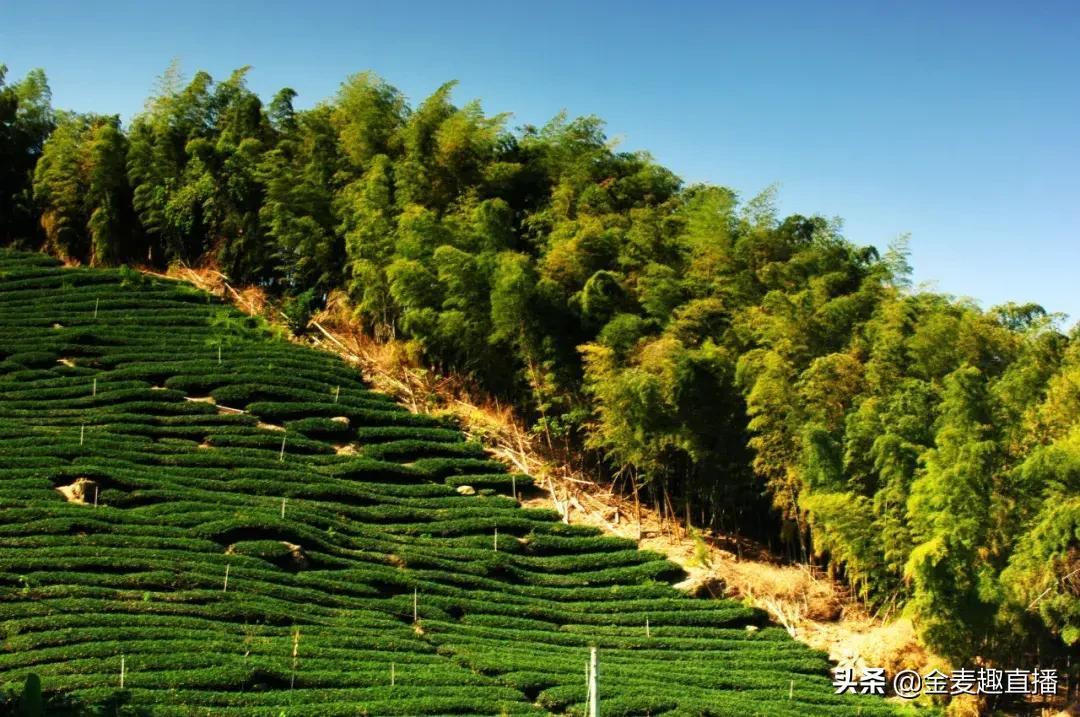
x=957, y=122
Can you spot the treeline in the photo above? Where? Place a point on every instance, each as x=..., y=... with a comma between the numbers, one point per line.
x=719, y=358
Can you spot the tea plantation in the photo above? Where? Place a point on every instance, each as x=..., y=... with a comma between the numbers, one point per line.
x=234, y=525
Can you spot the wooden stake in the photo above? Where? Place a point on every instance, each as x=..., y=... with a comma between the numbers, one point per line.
x=337, y=393
x=392, y=675
x=513, y=485
x=281, y=456
x=791, y=690
x=82, y=433
x=96, y=307
x=637, y=506
x=675, y=529
x=283, y=507
x=226, y=586
x=93, y=391
x=295, y=653
x=659, y=512
x=219, y=353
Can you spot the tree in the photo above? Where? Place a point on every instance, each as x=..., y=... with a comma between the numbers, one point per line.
x=954, y=593
x=111, y=223
x=367, y=115
x=80, y=183
x=281, y=113
x=194, y=165
x=60, y=188
x=26, y=120
x=297, y=212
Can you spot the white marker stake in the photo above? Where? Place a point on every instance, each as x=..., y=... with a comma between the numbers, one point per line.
x=496, y=538
x=219, y=354
x=94, y=391
x=791, y=690
x=647, y=633
x=95, y=495
x=283, y=507
x=337, y=392
x=226, y=588
x=513, y=485
x=415, y=604
x=82, y=433
x=122, y=670
x=594, y=701
x=392, y=676
x=281, y=456
x=95, y=307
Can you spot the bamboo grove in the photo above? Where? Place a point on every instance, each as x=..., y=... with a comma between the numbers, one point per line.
x=761, y=373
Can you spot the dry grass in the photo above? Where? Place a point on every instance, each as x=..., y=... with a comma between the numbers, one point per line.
x=80, y=491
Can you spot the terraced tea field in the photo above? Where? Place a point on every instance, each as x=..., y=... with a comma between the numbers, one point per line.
x=234, y=525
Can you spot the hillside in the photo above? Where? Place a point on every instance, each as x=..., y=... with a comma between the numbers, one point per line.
x=239, y=526
x=739, y=371
x=815, y=608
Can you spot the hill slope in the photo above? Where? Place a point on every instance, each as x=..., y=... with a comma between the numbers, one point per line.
x=246, y=528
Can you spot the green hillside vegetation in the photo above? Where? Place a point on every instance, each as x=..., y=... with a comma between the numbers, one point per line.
x=765, y=374
x=235, y=565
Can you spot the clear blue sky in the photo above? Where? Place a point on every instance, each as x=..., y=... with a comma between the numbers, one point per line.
x=957, y=122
